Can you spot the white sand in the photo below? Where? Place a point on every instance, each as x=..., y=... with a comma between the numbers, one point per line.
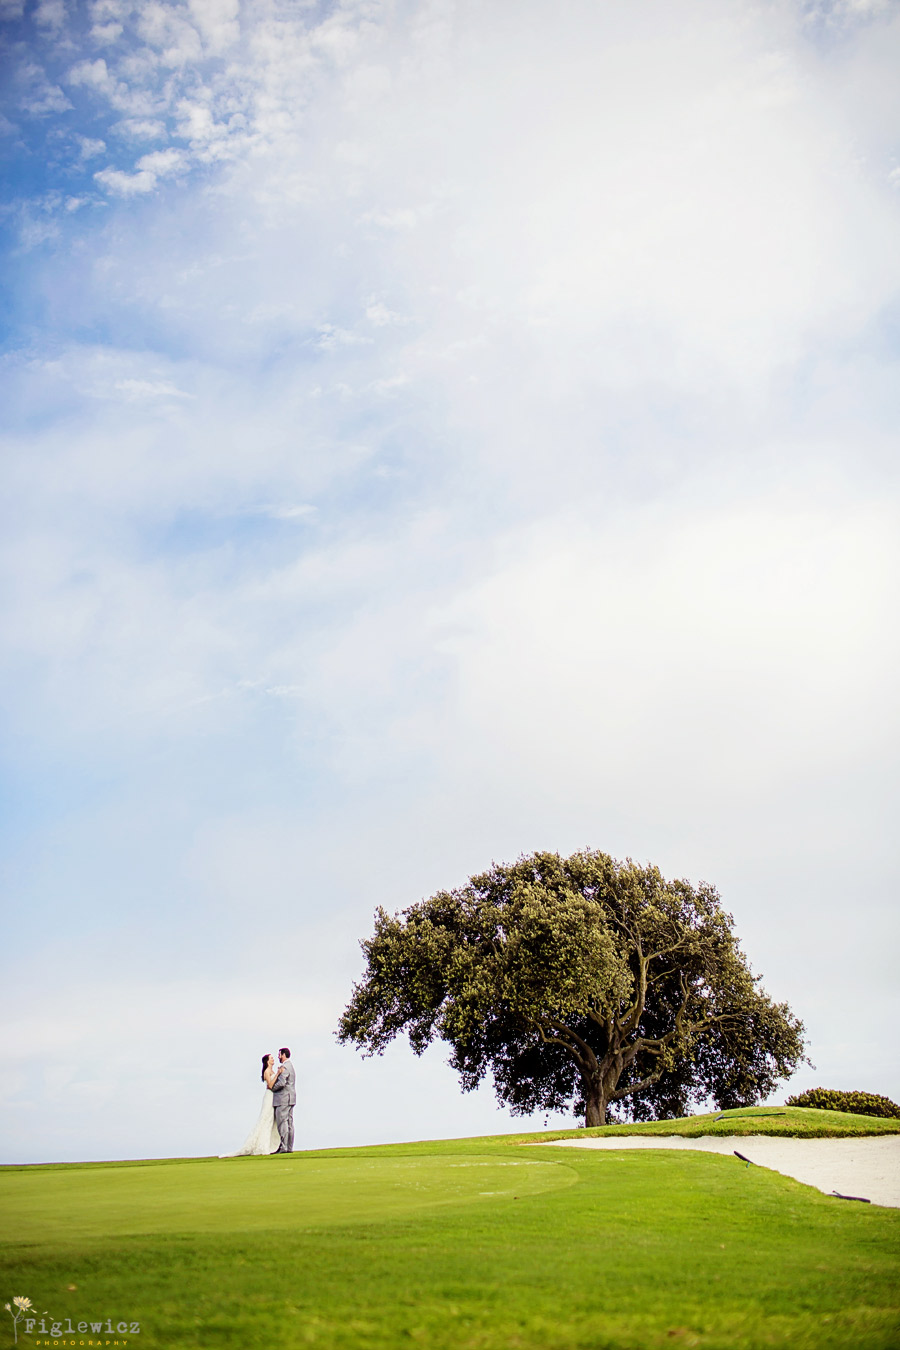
x=868, y=1167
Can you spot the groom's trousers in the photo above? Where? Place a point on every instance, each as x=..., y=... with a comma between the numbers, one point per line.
x=284, y=1123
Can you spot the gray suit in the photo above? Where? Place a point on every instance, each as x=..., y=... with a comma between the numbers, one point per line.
x=285, y=1101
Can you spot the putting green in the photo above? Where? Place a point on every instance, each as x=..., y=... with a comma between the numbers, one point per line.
x=77, y=1204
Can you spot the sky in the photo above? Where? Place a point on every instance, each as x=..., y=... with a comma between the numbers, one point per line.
x=432, y=432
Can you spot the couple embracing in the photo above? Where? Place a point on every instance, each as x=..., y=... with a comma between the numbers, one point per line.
x=274, y=1130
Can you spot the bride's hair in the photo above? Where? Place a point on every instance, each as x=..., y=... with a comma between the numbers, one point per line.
x=266, y=1059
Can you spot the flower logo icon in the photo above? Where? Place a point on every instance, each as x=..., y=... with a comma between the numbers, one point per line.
x=22, y=1305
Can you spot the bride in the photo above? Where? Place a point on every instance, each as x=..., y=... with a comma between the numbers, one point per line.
x=264, y=1137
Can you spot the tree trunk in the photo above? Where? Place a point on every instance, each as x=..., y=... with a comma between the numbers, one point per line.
x=595, y=1103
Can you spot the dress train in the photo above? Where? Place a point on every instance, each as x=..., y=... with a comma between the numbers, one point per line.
x=264, y=1137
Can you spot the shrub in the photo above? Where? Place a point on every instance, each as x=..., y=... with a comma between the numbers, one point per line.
x=860, y=1103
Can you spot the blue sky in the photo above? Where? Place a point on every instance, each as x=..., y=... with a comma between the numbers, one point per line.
x=431, y=432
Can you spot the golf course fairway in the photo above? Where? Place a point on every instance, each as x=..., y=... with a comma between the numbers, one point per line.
x=476, y=1243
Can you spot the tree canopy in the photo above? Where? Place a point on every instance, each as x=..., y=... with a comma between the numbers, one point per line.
x=582, y=982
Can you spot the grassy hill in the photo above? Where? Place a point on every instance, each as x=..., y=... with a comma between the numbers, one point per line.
x=464, y=1243
x=797, y=1122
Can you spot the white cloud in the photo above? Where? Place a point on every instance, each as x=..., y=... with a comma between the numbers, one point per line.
x=162, y=163
x=141, y=129
x=103, y=10
x=399, y=218
x=388, y=384
x=331, y=337
x=124, y=184
x=197, y=124
x=106, y=33
x=148, y=171
x=39, y=97
x=669, y=637
x=847, y=10
x=378, y=313
x=165, y=30
x=141, y=389
x=94, y=74
x=122, y=86
x=50, y=14
x=37, y=230
x=298, y=511
x=217, y=21
x=91, y=146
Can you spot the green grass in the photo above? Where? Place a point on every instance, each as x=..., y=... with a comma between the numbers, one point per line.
x=798, y=1122
x=463, y=1243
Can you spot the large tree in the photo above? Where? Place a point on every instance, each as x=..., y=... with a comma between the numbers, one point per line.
x=582, y=982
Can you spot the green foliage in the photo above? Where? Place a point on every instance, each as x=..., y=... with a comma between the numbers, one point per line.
x=860, y=1103
x=577, y=982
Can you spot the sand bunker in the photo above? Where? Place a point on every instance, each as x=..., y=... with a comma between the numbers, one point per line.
x=869, y=1167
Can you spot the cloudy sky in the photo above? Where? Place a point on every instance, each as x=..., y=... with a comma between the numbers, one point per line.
x=432, y=431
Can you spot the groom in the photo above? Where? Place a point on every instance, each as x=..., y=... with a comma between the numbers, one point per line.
x=285, y=1101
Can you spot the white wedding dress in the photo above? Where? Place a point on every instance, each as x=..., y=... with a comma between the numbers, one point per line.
x=264, y=1137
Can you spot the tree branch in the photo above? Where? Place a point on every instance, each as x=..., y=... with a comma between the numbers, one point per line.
x=633, y=1016
x=664, y=951
x=635, y=1087
x=582, y=1060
